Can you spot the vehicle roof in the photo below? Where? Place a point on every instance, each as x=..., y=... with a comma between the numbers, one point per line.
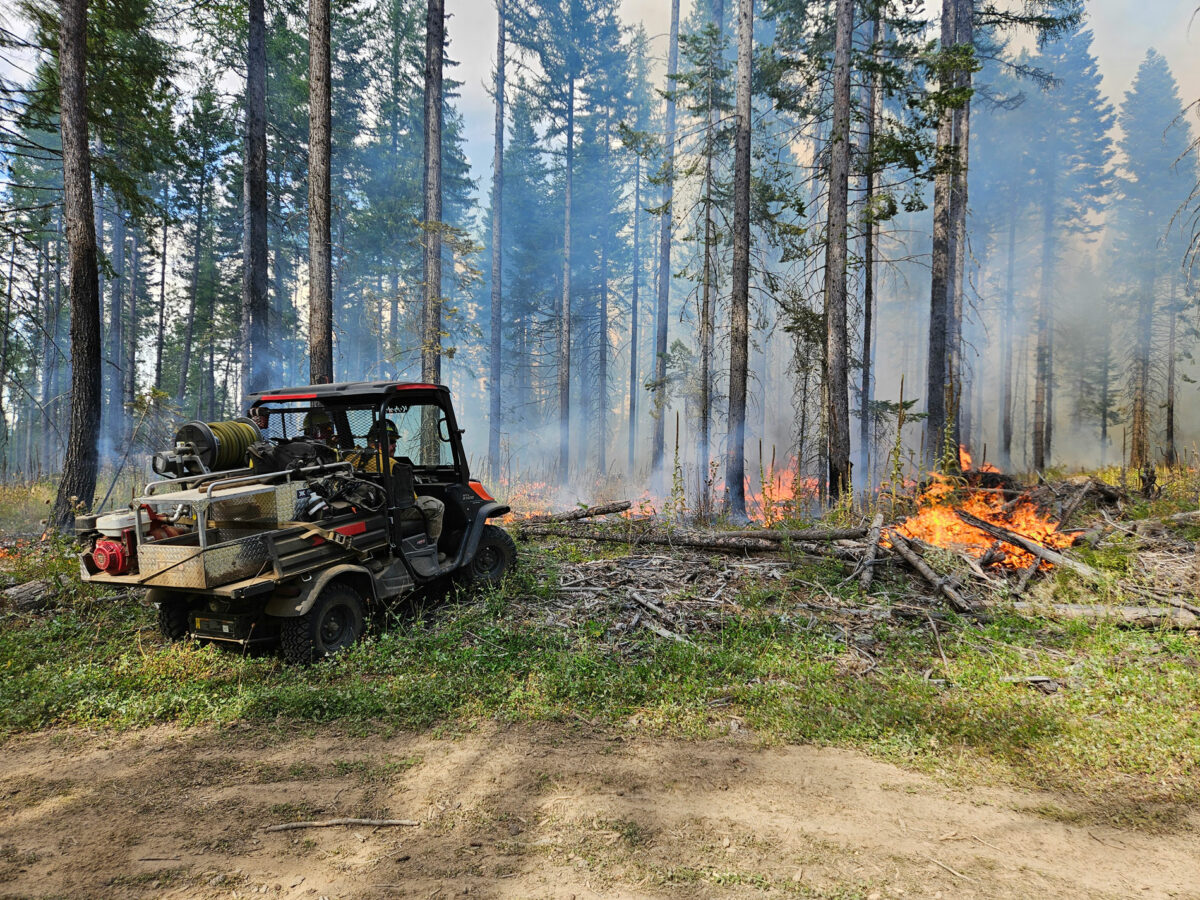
x=350, y=392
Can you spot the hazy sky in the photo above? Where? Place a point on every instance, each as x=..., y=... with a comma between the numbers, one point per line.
x=1124, y=30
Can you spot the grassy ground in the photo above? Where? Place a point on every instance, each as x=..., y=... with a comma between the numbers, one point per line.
x=1122, y=734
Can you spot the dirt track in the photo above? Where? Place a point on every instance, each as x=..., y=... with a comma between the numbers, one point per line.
x=536, y=812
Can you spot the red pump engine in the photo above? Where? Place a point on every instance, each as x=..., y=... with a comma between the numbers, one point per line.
x=113, y=556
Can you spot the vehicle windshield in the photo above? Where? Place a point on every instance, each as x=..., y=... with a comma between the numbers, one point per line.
x=347, y=428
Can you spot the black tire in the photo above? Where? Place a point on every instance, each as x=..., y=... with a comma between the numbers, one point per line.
x=334, y=623
x=173, y=615
x=495, y=555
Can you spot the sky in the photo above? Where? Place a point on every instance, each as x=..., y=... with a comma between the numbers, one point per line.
x=1124, y=31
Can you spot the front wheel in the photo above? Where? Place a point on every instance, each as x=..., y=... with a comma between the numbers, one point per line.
x=495, y=555
x=334, y=623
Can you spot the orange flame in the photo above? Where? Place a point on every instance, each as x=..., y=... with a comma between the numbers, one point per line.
x=936, y=523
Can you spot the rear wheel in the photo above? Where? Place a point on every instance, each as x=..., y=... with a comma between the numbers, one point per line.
x=495, y=555
x=173, y=614
x=334, y=623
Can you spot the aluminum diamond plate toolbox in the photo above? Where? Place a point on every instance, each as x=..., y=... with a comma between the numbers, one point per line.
x=232, y=554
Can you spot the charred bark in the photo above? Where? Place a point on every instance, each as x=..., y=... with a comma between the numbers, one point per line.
x=837, y=394
x=320, y=241
x=255, y=356
x=497, y=321
x=78, y=484
x=735, y=461
x=564, y=312
x=658, y=444
x=431, y=309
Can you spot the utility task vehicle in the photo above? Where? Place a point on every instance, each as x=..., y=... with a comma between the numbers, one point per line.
x=289, y=524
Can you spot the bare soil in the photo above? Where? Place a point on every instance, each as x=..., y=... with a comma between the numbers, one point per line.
x=540, y=812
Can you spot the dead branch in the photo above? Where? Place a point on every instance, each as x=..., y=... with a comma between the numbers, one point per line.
x=1019, y=540
x=868, y=568
x=329, y=823
x=576, y=514
x=938, y=584
x=1143, y=616
x=665, y=540
x=801, y=534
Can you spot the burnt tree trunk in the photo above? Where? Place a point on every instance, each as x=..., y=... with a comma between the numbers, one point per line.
x=735, y=461
x=114, y=413
x=1006, y=347
x=633, y=314
x=1139, y=438
x=255, y=368
x=658, y=443
x=431, y=309
x=964, y=36
x=1043, y=363
x=837, y=394
x=937, y=371
x=564, y=312
x=1170, y=450
x=320, y=241
x=497, y=322
x=78, y=484
x=865, y=429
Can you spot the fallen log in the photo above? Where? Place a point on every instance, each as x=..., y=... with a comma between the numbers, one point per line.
x=330, y=823
x=1031, y=546
x=796, y=534
x=1143, y=616
x=936, y=582
x=873, y=549
x=740, y=545
x=575, y=515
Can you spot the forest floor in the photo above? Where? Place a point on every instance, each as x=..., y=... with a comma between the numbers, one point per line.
x=796, y=737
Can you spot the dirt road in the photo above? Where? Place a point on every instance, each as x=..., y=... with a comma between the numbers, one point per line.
x=537, y=812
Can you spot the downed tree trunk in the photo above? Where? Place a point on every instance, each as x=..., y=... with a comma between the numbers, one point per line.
x=33, y=596
x=801, y=534
x=1144, y=616
x=576, y=514
x=739, y=545
x=937, y=583
x=1019, y=540
x=868, y=563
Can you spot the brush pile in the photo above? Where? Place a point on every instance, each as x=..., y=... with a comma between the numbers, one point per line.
x=975, y=541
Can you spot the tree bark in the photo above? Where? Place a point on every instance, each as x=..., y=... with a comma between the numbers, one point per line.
x=735, y=462
x=431, y=310
x=938, y=375
x=78, y=484
x=255, y=368
x=658, y=444
x=129, y=380
x=1170, y=451
x=964, y=36
x=1139, y=438
x=865, y=424
x=1006, y=346
x=564, y=313
x=1043, y=372
x=114, y=414
x=160, y=332
x=633, y=314
x=837, y=395
x=320, y=241
x=497, y=244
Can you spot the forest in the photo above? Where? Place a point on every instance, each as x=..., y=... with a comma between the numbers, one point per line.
x=808, y=247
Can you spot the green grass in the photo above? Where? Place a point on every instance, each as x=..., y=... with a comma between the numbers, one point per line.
x=1125, y=724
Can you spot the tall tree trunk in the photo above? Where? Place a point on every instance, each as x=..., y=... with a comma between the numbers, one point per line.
x=431, y=312
x=194, y=298
x=836, y=356
x=602, y=366
x=129, y=382
x=938, y=372
x=320, y=250
x=1139, y=437
x=4, y=348
x=497, y=245
x=633, y=314
x=564, y=313
x=113, y=424
x=964, y=27
x=1043, y=372
x=1006, y=347
x=162, y=288
x=865, y=423
x=78, y=484
x=256, y=365
x=735, y=462
x=1173, y=322
x=658, y=444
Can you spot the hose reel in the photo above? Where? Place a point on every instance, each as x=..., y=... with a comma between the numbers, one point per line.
x=202, y=447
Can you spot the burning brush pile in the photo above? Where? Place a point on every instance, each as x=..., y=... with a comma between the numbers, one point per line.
x=974, y=539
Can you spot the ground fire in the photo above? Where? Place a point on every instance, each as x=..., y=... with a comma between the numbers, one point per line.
x=982, y=492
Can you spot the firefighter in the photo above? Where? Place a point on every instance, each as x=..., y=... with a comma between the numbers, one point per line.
x=318, y=426
x=381, y=444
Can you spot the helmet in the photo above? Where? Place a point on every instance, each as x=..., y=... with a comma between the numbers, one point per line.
x=317, y=422
x=383, y=430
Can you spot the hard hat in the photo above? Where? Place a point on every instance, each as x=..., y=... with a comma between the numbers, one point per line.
x=382, y=428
